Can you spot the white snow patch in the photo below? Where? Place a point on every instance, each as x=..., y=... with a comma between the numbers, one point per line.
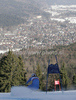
x=4, y=51
x=58, y=19
x=62, y=7
x=71, y=19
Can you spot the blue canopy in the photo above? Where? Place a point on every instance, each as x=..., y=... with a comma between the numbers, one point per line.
x=53, y=68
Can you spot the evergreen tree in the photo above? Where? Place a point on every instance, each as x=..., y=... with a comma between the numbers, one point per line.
x=40, y=76
x=12, y=72
x=74, y=81
x=64, y=77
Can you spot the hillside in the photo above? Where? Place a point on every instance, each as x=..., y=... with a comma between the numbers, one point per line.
x=60, y=2
x=16, y=12
x=33, y=57
x=65, y=54
x=51, y=2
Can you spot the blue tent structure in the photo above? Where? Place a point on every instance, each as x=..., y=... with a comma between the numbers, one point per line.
x=53, y=68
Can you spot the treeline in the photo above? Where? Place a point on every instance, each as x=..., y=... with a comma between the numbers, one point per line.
x=66, y=56
x=13, y=72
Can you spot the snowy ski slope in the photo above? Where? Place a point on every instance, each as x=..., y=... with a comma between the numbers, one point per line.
x=23, y=93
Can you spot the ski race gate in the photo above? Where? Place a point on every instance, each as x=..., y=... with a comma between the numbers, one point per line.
x=54, y=69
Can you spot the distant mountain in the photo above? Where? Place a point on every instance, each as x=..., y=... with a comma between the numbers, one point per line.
x=20, y=7
x=51, y=2
x=61, y=2
x=19, y=10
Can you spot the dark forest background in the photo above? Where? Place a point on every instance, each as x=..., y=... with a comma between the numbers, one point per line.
x=17, y=67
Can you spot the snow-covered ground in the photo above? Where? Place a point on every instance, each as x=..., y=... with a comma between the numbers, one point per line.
x=23, y=93
x=59, y=13
x=4, y=51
